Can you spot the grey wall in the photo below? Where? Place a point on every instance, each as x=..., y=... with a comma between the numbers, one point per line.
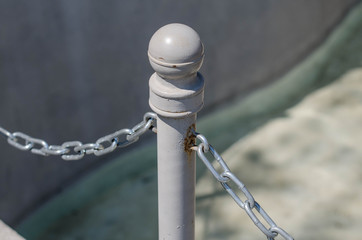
x=77, y=70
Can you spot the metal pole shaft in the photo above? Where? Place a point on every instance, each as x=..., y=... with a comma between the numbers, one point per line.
x=176, y=95
x=176, y=179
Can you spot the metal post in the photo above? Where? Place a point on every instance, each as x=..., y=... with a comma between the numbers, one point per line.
x=176, y=95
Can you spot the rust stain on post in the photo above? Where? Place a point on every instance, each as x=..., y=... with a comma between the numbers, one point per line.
x=190, y=140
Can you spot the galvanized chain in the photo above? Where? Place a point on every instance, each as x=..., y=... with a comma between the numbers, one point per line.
x=225, y=177
x=75, y=150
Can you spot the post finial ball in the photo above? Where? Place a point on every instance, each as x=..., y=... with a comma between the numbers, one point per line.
x=175, y=51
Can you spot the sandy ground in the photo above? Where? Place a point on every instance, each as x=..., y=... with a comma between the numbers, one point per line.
x=305, y=169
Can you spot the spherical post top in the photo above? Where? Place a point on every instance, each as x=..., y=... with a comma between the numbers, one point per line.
x=175, y=51
x=176, y=54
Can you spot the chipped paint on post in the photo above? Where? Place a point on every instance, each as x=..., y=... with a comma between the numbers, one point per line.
x=190, y=139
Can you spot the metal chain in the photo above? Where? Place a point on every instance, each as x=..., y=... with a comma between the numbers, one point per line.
x=225, y=177
x=110, y=142
x=75, y=150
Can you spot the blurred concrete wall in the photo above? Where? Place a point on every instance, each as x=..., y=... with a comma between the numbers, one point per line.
x=77, y=70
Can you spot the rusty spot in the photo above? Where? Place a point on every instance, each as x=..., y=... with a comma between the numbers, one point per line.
x=190, y=139
x=173, y=66
x=161, y=58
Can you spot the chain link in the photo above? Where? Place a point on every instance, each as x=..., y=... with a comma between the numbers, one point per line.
x=75, y=150
x=225, y=177
x=5, y=133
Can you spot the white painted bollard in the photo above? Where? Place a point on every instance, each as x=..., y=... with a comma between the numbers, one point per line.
x=176, y=95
